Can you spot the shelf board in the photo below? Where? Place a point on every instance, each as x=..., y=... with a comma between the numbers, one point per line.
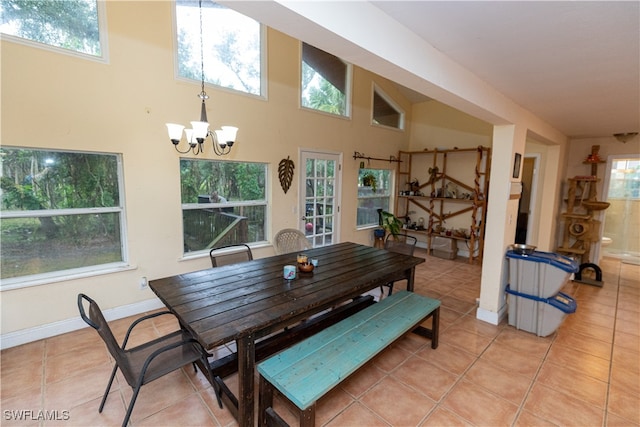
x=444, y=199
x=436, y=235
x=572, y=250
x=577, y=216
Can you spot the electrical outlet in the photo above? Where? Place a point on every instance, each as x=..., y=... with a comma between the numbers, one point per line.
x=143, y=283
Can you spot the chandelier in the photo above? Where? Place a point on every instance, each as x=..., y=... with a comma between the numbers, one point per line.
x=222, y=139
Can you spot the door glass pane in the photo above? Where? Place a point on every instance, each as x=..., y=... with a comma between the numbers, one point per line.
x=319, y=200
x=621, y=224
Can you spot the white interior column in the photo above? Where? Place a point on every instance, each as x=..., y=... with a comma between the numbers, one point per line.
x=502, y=213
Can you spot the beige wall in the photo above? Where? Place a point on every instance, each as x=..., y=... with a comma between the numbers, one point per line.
x=50, y=100
x=57, y=101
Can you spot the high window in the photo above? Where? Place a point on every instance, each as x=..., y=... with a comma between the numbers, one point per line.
x=71, y=25
x=231, y=46
x=62, y=214
x=374, y=192
x=624, y=182
x=223, y=203
x=385, y=112
x=325, y=81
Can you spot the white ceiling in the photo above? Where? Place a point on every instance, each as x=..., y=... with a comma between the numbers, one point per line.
x=574, y=64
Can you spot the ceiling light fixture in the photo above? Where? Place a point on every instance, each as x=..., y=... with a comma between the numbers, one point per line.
x=222, y=139
x=624, y=137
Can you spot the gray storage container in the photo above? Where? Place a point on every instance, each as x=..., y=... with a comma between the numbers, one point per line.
x=535, y=305
x=541, y=274
x=444, y=247
x=541, y=316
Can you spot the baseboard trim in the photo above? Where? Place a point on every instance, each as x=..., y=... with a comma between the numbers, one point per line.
x=491, y=316
x=24, y=336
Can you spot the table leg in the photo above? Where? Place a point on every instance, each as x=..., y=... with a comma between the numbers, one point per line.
x=246, y=368
x=410, y=274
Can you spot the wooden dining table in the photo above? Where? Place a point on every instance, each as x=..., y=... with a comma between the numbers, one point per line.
x=250, y=302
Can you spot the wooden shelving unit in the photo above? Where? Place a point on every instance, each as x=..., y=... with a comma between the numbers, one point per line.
x=580, y=227
x=451, y=184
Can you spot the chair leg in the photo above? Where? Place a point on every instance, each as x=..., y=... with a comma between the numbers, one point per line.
x=136, y=390
x=106, y=392
x=206, y=370
x=390, y=289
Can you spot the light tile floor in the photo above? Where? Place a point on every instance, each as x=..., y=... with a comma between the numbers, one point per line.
x=584, y=374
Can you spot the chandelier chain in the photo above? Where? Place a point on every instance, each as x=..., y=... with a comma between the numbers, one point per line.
x=203, y=95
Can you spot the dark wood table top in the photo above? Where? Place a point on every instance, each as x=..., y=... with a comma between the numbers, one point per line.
x=223, y=304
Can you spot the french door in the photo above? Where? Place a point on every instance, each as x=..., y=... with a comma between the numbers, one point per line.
x=320, y=196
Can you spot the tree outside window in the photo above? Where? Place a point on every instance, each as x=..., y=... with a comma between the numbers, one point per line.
x=223, y=203
x=324, y=81
x=61, y=212
x=373, y=195
x=67, y=24
x=231, y=46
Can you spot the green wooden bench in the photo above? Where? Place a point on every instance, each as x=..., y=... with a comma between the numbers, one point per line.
x=308, y=370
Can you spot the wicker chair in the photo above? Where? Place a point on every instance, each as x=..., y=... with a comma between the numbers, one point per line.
x=290, y=240
x=402, y=244
x=230, y=254
x=146, y=362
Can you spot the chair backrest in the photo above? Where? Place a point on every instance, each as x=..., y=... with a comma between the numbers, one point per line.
x=400, y=243
x=96, y=320
x=290, y=240
x=230, y=254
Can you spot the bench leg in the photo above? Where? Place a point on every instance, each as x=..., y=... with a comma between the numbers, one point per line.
x=435, y=328
x=265, y=401
x=308, y=416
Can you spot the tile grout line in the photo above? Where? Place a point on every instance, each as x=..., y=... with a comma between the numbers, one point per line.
x=613, y=342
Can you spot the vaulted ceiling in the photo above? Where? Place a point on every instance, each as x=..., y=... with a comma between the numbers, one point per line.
x=574, y=64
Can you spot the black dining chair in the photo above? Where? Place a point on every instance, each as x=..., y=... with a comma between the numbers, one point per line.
x=402, y=244
x=146, y=362
x=230, y=254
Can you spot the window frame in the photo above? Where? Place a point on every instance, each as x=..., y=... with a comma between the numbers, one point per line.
x=101, y=10
x=389, y=100
x=263, y=60
x=266, y=202
x=348, y=86
x=79, y=272
x=392, y=178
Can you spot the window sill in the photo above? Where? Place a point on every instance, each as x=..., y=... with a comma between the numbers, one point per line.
x=45, y=279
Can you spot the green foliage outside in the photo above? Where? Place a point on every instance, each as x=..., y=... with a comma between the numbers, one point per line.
x=45, y=226
x=231, y=46
x=236, y=181
x=236, y=222
x=69, y=24
x=324, y=96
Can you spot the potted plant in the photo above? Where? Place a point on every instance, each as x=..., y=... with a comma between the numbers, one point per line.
x=370, y=180
x=389, y=222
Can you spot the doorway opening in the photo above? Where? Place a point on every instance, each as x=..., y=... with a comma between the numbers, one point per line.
x=526, y=206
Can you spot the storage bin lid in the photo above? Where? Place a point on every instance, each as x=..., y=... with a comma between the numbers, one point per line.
x=559, y=261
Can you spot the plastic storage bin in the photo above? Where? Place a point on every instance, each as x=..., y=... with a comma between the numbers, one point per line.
x=444, y=247
x=541, y=274
x=541, y=316
x=535, y=305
